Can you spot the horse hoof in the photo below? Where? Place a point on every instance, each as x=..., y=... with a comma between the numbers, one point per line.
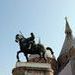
x=18, y=60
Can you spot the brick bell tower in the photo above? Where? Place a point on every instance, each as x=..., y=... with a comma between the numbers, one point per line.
x=66, y=59
x=35, y=66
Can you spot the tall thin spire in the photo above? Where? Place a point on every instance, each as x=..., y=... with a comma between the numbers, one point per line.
x=68, y=39
x=67, y=28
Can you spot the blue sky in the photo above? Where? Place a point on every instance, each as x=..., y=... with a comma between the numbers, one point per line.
x=43, y=17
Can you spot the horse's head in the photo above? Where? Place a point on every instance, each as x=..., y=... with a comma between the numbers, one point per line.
x=18, y=37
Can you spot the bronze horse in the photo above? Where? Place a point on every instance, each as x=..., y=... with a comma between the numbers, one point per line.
x=36, y=49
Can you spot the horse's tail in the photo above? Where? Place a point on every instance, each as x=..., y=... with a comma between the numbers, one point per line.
x=48, y=48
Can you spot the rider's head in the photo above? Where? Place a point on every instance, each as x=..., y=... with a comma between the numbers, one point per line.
x=32, y=36
x=32, y=33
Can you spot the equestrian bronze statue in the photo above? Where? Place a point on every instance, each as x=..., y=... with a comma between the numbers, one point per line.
x=28, y=46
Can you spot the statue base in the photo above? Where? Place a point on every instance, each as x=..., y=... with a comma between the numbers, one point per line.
x=32, y=68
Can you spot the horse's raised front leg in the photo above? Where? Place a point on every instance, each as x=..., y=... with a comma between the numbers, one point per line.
x=18, y=55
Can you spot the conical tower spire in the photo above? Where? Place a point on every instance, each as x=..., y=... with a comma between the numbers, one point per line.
x=68, y=39
x=67, y=28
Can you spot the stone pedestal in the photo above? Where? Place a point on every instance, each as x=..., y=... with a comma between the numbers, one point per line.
x=37, y=66
x=32, y=68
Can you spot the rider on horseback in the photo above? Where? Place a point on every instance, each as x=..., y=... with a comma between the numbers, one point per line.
x=28, y=46
x=30, y=41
